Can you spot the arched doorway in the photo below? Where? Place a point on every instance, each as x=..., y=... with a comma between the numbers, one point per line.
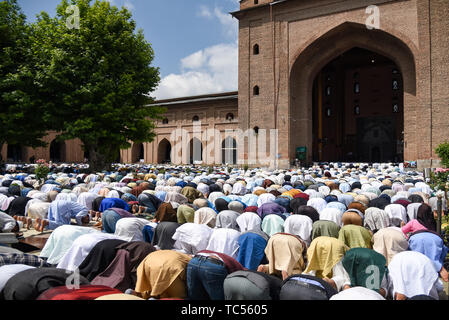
x=164, y=151
x=229, y=151
x=14, y=153
x=137, y=153
x=195, y=150
x=57, y=151
x=309, y=73
x=358, y=109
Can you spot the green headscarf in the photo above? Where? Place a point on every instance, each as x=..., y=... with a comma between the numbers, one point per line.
x=355, y=236
x=325, y=228
x=185, y=214
x=366, y=268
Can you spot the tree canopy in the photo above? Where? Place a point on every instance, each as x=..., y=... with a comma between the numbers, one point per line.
x=20, y=121
x=93, y=81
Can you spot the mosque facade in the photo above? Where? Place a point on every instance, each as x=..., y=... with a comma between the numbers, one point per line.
x=319, y=80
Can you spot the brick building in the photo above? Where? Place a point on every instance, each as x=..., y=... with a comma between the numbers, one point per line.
x=350, y=80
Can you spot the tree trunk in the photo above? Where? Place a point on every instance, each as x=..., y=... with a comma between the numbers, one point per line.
x=97, y=161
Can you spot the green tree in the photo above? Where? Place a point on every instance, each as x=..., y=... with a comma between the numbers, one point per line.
x=21, y=117
x=443, y=152
x=94, y=80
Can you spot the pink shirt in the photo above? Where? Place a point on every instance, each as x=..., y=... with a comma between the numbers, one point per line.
x=413, y=226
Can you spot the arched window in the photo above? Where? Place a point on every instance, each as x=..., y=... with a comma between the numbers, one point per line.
x=256, y=49
x=164, y=151
x=230, y=117
x=229, y=151
x=196, y=119
x=165, y=121
x=57, y=151
x=256, y=90
x=256, y=1
x=256, y=130
x=195, y=150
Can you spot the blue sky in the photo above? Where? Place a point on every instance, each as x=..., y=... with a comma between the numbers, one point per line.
x=195, y=41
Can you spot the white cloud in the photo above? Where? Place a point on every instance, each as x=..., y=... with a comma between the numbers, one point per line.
x=211, y=70
x=228, y=23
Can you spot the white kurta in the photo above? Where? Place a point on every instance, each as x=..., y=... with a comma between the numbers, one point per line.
x=192, y=237
x=130, y=229
x=224, y=240
x=60, y=241
x=80, y=249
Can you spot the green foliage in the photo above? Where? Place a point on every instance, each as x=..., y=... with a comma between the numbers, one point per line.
x=210, y=170
x=42, y=170
x=94, y=81
x=21, y=117
x=245, y=167
x=443, y=153
x=439, y=180
x=188, y=170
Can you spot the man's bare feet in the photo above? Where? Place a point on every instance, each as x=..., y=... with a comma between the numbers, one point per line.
x=28, y=223
x=91, y=213
x=37, y=224
x=19, y=218
x=142, y=209
x=284, y=275
x=40, y=224
x=135, y=208
x=97, y=216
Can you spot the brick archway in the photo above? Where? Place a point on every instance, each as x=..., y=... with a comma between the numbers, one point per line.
x=311, y=59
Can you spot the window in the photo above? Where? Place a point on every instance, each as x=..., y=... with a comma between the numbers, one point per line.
x=357, y=110
x=256, y=49
x=256, y=1
x=230, y=117
x=256, y=90
x=256, y=130
x=328, y=90
x=229, y=151
x=196, y=119
x=328, y=111
x=165, y=121
x=356, y=87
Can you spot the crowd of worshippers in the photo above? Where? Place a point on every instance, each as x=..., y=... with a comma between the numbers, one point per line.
x=333, y=232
